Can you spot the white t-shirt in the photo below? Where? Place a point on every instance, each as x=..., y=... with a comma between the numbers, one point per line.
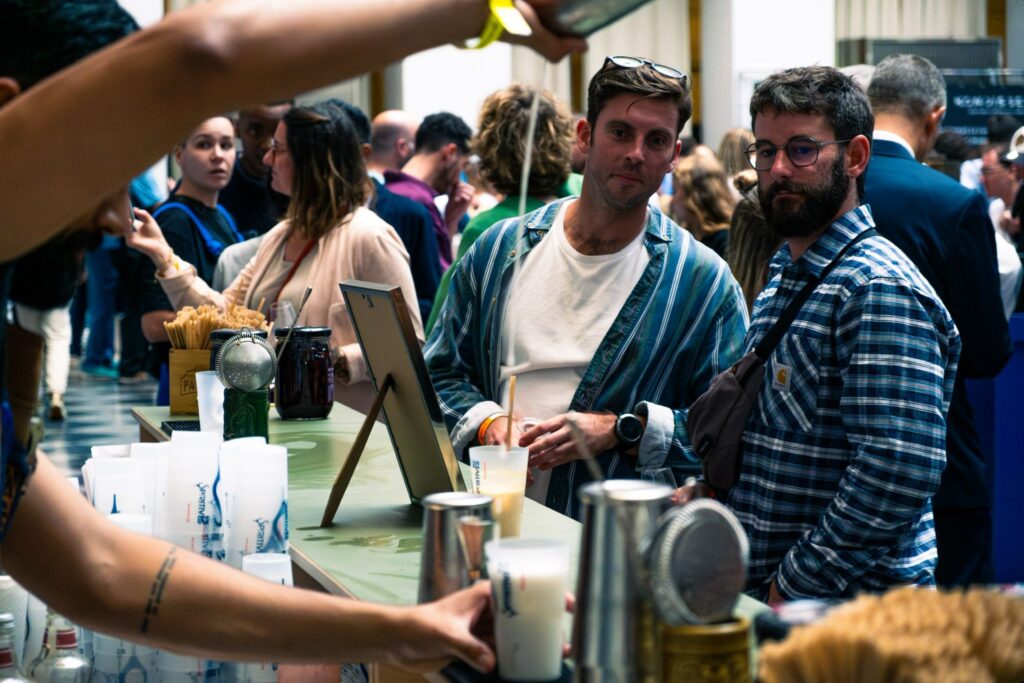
x=1007, y=258
x=560, y=305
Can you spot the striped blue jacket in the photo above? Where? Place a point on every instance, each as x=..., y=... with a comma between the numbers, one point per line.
x=681, y=325
x=847, y=441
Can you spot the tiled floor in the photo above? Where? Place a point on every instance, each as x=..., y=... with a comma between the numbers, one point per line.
x=98, y=413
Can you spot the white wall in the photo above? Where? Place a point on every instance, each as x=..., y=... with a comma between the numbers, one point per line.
x=1015, y=34
x=453, y=80
x=745, y=40
x=145, y=11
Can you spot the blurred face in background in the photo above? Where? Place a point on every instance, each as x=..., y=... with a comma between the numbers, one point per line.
x=207, y=156
x=279, y=159
x=255, y=129
x=998, y=177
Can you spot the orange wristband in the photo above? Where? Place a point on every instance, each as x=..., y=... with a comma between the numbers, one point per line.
x=481, y=433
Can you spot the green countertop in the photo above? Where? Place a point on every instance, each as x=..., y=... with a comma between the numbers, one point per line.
x=372, y=552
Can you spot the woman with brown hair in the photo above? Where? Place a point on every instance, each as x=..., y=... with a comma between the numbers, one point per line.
x=701, y=201
x=502, y=128
x=751, y=242
x=327, y=236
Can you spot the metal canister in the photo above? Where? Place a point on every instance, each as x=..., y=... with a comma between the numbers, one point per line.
x=218, y=337
x=245, y=365
x=614, y=633
x=444, y=566
x=707, y=653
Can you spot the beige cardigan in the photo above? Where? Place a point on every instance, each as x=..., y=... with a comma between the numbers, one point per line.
x=363, y=247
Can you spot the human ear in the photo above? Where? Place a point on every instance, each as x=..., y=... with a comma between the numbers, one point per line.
x=583, y=131
x=9, y=89
x=858, y=153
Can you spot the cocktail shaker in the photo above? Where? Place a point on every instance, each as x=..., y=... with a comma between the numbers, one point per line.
x=583, y=17
x=614, y=632
x=452, y=543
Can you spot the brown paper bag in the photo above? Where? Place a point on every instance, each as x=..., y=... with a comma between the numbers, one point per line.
x=183, y=366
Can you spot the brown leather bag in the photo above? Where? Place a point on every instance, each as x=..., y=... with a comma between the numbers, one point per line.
x=719, y=416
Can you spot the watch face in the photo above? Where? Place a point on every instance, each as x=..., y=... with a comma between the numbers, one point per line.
x=630, y=429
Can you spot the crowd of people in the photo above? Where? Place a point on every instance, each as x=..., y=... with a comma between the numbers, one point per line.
x=613, y=297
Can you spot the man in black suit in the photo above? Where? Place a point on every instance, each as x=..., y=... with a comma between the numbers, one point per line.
x=945, y=229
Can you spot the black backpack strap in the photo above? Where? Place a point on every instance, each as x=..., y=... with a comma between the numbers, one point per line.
x=767, y=345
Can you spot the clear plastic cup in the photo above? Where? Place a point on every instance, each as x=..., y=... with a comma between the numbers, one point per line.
x=529, y=579
x=500, y=473
x=210, y=396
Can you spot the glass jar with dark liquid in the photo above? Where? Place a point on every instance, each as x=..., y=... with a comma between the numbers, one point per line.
x=304, y=389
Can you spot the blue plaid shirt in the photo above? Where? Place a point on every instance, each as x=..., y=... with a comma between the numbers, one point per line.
x=682, y=324
x=847, y=442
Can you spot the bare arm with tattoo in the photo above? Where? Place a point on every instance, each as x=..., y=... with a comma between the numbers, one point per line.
x=141, y=588
x=226, y=55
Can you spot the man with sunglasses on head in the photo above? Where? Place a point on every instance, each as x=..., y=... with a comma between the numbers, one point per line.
x=605, y=310
x=846, y=441
x=945, y=230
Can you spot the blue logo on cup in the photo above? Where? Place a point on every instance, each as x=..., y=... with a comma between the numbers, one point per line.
x=507, y=608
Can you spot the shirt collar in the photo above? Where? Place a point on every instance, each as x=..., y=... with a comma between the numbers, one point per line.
x=824, y=250
x=889, y=136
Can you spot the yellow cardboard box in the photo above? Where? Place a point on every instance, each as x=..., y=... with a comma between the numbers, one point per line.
x=183, y=366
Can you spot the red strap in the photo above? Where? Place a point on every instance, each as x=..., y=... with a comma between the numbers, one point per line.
x=295, y=266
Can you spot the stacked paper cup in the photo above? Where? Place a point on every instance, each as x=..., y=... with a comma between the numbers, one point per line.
x=256, y=518
x=172, y=668
x=184, y=515
x=120, y=661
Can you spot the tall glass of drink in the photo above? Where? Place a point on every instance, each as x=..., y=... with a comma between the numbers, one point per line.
x=500, y=473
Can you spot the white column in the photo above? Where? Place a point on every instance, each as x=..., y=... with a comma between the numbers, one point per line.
x=743, y=41
x=1015, y=34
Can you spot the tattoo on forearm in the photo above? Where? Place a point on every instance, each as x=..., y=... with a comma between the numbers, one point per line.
x=156, y=591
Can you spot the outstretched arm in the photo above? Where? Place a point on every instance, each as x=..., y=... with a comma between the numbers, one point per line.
x=148, y=590
x=89, y=133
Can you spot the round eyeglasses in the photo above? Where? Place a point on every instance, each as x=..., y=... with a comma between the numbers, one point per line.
x=801, y=150
x=624, y=62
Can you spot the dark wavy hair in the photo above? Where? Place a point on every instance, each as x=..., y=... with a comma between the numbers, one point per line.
x=501, y=136
x=41, y=37
x=330, y=174
x=818, y=90
x=642, y=81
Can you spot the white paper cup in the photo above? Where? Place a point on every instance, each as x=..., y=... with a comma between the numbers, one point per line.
x=139, y=524
x=210, y=396
x=117, y=485
x=273, y=567
x=501, y=474
x=257, y=520
x=529, y=580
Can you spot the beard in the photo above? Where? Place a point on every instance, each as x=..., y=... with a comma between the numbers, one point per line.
x=795, y=218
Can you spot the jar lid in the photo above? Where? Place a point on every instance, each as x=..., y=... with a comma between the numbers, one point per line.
x=698, y=563
x=246, y=362
x=225, y=333
x=302, y=332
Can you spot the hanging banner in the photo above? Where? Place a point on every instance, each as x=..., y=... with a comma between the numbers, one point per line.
x=969, y=106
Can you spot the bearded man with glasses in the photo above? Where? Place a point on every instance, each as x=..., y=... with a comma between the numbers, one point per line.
x=845, y=444
x=613, y=313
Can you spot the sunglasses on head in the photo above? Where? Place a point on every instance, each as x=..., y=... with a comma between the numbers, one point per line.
x=623, y=62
